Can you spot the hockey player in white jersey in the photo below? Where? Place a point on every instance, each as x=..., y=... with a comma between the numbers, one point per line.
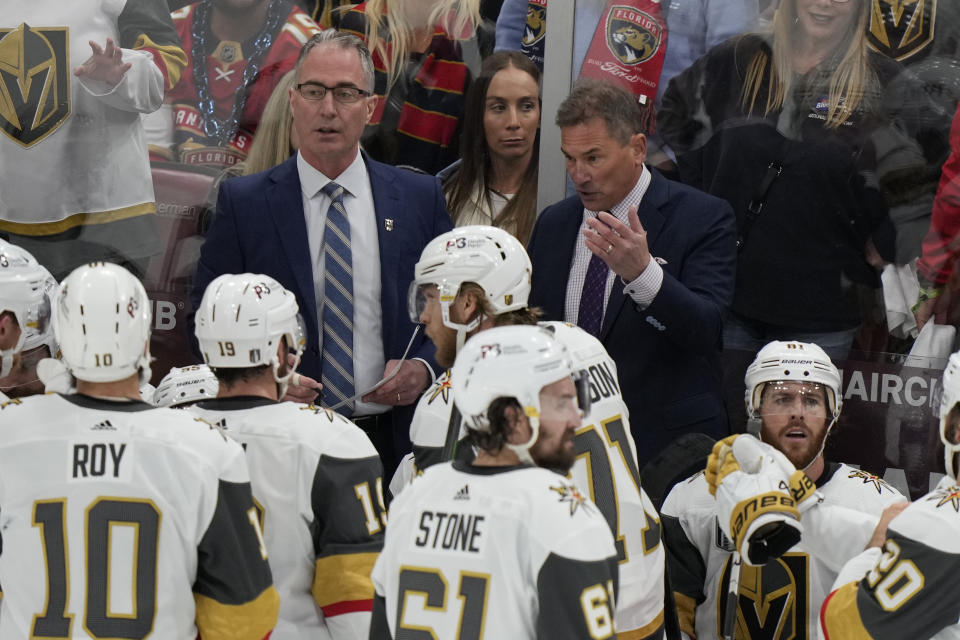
x=467, y=280
x=316, y=476
x=905, y=585
x=26, y=334
x=497, y=547
x=607, y=464
x=121, y=520
x=793, y=399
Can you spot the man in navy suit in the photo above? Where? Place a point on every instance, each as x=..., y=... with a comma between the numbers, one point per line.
x=276, y=223
x=644, y=263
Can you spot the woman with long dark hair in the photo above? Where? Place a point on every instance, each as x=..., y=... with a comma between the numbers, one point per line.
x=495, y=182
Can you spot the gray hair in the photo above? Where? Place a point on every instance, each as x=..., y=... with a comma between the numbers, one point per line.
x=344, y=41
x=617, y=107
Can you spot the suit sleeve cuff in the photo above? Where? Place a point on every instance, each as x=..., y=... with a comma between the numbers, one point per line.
x=433, y=376
x=646, y=286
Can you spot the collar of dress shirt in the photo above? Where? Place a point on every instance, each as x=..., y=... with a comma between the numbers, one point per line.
x=633, y=198
x=312, y=180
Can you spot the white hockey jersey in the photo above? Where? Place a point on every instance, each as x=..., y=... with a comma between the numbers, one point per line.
x=780, y=600
x=120, y=520
x=72, y=150
x=908, y=589
x=317, y=483
x=607, y=466
x=495, y=552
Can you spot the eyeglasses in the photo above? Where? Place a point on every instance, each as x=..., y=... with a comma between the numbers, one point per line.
x=343, y=95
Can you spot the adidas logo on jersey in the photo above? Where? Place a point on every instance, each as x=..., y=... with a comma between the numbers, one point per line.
x=463, y=494
x=103, y=426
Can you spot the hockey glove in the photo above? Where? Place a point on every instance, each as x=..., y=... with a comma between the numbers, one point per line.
x=755, y=506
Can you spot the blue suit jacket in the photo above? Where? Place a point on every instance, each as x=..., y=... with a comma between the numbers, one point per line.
x=667, y=355
x=260, y=228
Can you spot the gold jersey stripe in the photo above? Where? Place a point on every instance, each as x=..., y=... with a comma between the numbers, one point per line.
x=249, y=621
x=173, y=57
x=841, y=618
x=353, y=578
x=643, y=632
x=76, y=220
x=686, y=612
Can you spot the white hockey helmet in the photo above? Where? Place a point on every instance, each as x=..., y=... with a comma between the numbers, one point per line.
x=102, y=321
x=185, y=385
x=242, y=319
x=513, y=362
x=27, y=290
x=795, y=362
x=487, y=256
x=949, y=397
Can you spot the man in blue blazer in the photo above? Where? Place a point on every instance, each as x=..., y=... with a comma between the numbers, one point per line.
x=644, y=263
x=276, y=223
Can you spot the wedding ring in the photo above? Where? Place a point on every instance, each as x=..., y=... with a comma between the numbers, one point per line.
x=398, y=397
x=609, y=248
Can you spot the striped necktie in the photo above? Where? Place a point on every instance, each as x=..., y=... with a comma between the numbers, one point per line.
x=336, y=366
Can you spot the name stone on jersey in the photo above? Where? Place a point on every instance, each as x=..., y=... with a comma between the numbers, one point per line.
x=451, y=531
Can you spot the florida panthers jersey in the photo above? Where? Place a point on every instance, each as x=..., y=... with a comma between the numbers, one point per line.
x=121, y=520
x=495, y=552
x=908, y=589
x=317, y=483
x=780, y=600
x=217, y=72
x=72, y=150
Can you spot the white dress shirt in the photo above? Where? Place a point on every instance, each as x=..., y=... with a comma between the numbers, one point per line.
x=642, y=290
x=368, y=355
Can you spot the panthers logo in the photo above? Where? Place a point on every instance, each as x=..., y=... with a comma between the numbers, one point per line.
x=34, y=82
x=536, y=26
x=632, y=36
x=900, y=29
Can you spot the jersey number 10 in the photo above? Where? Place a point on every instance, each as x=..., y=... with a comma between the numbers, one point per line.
x=102, y=515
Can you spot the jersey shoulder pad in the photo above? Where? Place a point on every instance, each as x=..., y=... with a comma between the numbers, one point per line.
x=432, y=417
x=860, y=490
x=330, y=432
x=933, y=520
x=689, y=496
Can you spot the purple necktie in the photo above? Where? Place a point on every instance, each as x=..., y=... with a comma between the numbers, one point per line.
x=591, y=298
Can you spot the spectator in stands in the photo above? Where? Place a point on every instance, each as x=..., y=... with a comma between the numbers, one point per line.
x=693, y=27
x=424, y=53
x=942, y=243
x=641, y=262
x=238, y=50
x=74, y=178
x=495, y=182
x=782, y=127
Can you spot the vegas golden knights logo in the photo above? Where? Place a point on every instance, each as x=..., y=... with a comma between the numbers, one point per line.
x=632, y=36
x=536, y=26
x=34, y=82
x=774, y=599
x=900, y=29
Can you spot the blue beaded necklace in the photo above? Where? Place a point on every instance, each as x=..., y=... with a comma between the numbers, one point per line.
x=223, y=130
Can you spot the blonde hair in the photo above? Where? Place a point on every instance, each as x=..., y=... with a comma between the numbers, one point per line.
x=389, y=30
x=850, y=80
x=271, y=144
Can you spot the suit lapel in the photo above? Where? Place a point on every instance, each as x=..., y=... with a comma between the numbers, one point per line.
x=565, y=235
x=285, y=202
x=386, y=203
x=652, y=221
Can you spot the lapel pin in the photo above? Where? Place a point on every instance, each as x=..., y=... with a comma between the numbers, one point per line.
x=388, y=224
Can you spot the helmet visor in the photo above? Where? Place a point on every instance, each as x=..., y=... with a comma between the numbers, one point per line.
x=38, y=318
x=419, y=297
x=299, y=336
x=584, y=396
x=787, y=397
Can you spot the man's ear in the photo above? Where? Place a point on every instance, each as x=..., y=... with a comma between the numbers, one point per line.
x=638, y=143
x=518, y=424
x=467, y=305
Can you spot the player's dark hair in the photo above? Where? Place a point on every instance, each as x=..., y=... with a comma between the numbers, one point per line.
x=229, y=377
x=493, y=441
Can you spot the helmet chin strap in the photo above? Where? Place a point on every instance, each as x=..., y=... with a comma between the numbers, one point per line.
x=7, y=355
x=283, y=383
x=823, y=444
x=523, y=450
